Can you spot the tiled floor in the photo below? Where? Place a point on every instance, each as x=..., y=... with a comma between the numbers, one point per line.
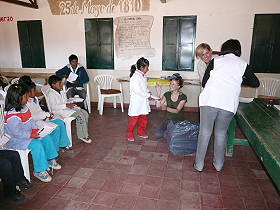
x=113, y=174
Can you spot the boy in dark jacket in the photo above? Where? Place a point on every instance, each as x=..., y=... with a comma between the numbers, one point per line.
x=70, y=71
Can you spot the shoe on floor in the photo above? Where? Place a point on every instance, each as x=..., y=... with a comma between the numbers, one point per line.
x=130, y=139
x=144, y=137
x=195, y=168
x=24, y=184
x=54, y=164
x=43, y=176
x=86, y=140
x=16, y=197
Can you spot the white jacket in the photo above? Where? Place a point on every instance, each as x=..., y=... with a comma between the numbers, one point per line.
x=139, y=95
x=224, y=85
x=38, y=114
x=57, y=103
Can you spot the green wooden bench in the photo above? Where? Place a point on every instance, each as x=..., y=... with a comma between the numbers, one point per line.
x=261, y=125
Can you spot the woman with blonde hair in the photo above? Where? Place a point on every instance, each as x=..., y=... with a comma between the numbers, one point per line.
x=203, y=52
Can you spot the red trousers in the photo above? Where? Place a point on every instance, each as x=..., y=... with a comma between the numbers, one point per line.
x=142, y=125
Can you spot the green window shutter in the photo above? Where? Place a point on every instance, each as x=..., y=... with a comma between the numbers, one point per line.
x=31, y=44
x=170, y=48
x=178, y=43
x=265, y=49
x=99, y=43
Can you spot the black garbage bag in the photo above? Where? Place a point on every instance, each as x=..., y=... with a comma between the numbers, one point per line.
x=182, y=137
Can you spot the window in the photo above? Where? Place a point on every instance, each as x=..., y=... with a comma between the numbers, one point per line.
x=99, y=43
x=31, y=44
x=265, y=49
x=178, y=43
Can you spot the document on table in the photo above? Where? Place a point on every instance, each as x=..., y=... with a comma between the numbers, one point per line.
x=72, y=77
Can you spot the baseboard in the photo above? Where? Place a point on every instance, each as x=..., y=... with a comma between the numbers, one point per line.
x=153, y=107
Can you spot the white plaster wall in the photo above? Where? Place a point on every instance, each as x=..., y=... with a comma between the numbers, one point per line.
x=217, y=21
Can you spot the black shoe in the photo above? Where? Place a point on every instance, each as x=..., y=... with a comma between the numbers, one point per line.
x=17, y=197
x=24, y=184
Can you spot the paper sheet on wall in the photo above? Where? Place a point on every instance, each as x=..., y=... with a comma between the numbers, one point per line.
x=133, y=36
x=72, y=77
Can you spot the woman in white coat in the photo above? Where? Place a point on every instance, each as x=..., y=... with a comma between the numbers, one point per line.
x=139, y=107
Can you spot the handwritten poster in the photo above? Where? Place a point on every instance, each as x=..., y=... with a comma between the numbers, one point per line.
x=97, y=7
x=132, y=37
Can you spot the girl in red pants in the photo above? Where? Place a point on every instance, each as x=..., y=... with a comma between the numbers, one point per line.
x=139, y=107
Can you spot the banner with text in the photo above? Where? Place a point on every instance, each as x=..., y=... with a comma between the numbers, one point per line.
x=97, y=7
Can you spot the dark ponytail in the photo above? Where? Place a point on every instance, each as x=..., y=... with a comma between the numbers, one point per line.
x=132, y=70
x=142, y=62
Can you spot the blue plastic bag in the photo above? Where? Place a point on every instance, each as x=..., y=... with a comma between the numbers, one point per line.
x=182, y=137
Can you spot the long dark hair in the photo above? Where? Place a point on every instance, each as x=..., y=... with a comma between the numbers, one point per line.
x=231, y=46
x=14, y=97
x=142, y=62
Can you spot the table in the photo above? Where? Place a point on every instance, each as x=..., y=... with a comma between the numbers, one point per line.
x=32, y=75
x=261, y=125
x=163, y=82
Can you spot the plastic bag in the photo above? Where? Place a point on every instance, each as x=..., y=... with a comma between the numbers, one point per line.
x=182, y=137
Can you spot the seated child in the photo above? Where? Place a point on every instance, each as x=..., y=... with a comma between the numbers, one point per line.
x=44, y=119
x=12, y=175
x=25, y=134
x=58, y=105
x=175, y=101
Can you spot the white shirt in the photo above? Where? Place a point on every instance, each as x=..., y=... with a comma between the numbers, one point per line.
x=224, y=85
x=139, y=95
x=201, y=67
x=57, y=103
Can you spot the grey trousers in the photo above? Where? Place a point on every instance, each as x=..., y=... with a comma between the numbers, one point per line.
x=81, y=117
x=71, y=92
x=210, y=117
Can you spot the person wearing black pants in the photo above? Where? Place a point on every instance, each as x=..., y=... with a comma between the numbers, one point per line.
x=11, y=174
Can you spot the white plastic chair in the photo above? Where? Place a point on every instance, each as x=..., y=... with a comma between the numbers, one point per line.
x=87, y=100
x=104, y=90
x=268, y=87
x=22, y=153
x=67, y=120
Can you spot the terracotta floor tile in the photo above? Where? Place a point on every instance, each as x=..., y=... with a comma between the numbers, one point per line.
x=211, y=200
x=190, y=186
x=76, y=182
x=61, y=179
x=84, y=172
x=212, y=188
x=74, y=205
x=145, y=204
x=67, y=193
x=190, y=200
x=149, y=191
x=85, y=195
x=124, y=202
x=112, y=186
x=130, y=188
x=105, y=199
x=234, y=203
x=167, y=205
x=55, y=204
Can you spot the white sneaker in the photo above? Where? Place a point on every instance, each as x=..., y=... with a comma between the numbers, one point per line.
x=130, y=139
x=86, y=140
x=54, y=164
x=43, y=176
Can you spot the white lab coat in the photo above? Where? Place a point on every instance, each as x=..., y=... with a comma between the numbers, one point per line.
x=38, y=114
x=57, y=103
x=139, y=95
